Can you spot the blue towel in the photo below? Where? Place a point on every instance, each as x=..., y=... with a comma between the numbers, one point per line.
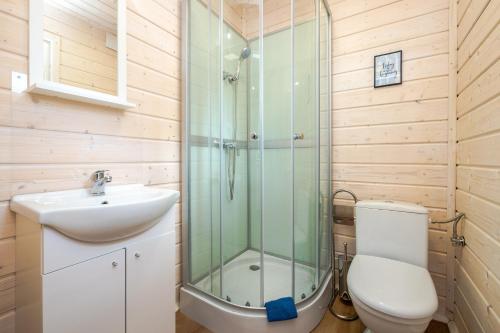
x=281, y=309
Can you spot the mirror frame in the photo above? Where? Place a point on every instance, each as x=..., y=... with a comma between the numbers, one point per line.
x=38, y=85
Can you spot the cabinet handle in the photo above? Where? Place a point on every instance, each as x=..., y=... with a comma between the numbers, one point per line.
x=137, y=255
x=114, y=264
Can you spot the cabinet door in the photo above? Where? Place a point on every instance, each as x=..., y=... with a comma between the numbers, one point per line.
x=151, y=285
x=87, y=297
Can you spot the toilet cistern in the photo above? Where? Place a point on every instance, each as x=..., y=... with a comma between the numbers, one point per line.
x=100, y=178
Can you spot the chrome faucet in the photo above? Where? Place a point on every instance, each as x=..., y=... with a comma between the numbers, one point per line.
x=100, y=178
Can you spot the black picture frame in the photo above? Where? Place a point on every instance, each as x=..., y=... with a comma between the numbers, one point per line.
x=375, y=85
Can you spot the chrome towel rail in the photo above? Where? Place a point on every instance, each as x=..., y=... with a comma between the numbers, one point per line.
x=456, y=240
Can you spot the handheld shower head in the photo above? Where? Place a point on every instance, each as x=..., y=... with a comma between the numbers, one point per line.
x=245, y=53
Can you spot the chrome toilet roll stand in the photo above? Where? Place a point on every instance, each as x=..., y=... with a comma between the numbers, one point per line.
x=344, y=263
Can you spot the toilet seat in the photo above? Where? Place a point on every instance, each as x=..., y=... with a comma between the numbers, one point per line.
x=392, y=287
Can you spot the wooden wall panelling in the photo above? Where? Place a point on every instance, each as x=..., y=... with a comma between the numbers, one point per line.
x=382, y=16
x=7, y=322
x=477, y=268
x=415, y=48
x=452, y=153
x=392, y=32
x=7, y=296
x=459, y=323
x=481, y=29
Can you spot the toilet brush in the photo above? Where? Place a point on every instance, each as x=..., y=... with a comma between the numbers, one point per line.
x=342, y=291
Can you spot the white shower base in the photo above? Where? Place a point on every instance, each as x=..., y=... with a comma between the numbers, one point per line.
x=242, y=285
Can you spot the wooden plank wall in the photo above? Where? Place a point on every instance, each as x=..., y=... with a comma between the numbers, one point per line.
x=391, y=143
x=477, y=269
x=49, y=144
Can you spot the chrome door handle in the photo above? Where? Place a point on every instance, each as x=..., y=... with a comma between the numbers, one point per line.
x=298, y=136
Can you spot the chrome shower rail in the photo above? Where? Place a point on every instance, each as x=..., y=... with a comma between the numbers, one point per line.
x=252, y=143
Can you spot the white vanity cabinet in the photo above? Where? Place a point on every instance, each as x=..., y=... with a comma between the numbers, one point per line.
x=66, y=285
x=131, y=287
x=150, y=277
x=86, y=297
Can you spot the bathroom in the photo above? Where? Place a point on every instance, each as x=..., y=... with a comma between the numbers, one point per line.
x=271, y=136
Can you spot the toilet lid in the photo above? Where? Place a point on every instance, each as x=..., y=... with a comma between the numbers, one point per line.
x=392, y=287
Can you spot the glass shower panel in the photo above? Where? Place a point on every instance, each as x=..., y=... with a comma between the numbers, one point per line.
x=325, y=232
x=255, y=144
x=277, y=176
x=306, y=139
x=215, y=74
x=236, y=57
x=203, y=154
x=235, y=145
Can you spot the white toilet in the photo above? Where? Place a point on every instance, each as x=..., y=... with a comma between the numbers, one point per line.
x=389, y=284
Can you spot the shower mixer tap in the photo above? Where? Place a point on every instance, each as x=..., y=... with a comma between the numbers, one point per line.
x=229, y=145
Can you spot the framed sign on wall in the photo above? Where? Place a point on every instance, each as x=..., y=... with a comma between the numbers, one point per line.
x=388, y=69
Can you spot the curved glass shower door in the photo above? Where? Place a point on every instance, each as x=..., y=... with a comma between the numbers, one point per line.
x=256, y=149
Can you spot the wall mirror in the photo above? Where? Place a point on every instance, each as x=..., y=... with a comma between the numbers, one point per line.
x=78, y=51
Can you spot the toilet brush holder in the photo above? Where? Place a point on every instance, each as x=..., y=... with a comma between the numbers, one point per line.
x=344, y=262
x=343, y=292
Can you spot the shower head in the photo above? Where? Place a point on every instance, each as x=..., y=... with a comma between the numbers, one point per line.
x=245, y=53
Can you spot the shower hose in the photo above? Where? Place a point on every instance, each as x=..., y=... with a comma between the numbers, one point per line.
x=231, y=149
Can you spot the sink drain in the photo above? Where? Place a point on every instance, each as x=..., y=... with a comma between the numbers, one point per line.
x=104, y=203
x=254, y=267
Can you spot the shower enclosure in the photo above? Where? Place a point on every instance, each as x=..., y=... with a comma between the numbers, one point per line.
x=256, y=157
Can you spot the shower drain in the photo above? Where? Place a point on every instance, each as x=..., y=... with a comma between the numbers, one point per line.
x=254, y=267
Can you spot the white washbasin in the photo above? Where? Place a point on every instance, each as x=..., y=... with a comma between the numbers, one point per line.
x=124, y=211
